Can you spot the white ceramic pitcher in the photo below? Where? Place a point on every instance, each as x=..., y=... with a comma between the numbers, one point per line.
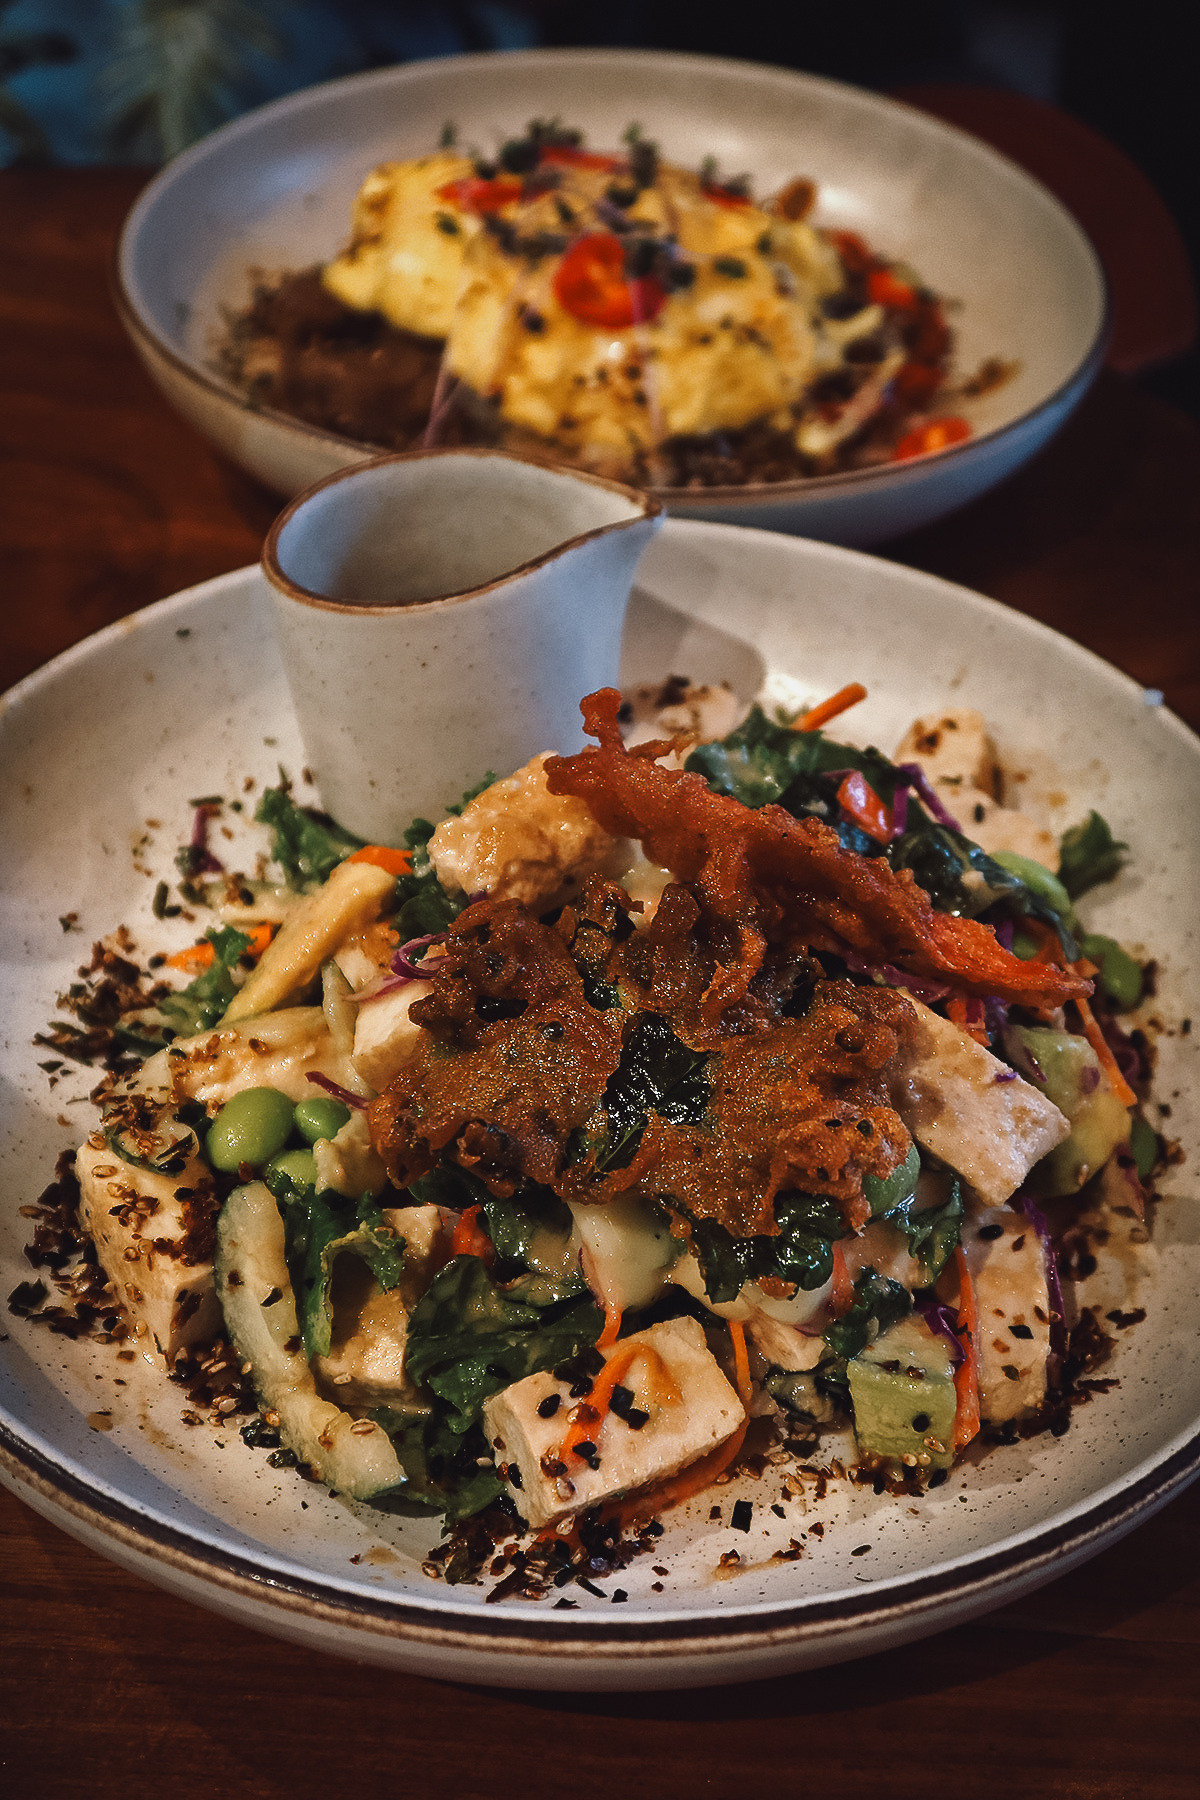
x=441, y=614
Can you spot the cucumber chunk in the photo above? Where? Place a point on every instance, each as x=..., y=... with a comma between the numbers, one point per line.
x=260, y=1315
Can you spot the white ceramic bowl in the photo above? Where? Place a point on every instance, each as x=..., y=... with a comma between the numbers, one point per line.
x=188, y=698
x=273, y=191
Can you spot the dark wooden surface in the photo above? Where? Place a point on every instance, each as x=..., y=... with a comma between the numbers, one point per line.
x=1088, y=1690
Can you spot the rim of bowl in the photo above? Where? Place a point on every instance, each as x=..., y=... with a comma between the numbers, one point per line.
x=1038, y=1553
x=749, y=494
x=648, y=508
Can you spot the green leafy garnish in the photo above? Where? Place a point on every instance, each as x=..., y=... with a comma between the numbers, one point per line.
x=202, y=1004
x=424, y=905
x=307, y=845
x=657, y=1073
x=468, y=1337
x=442, y=1467
x=932, y=1232
x=318, y=1228
x=809, y=1226
x=1088, y=855
x=879, y=1303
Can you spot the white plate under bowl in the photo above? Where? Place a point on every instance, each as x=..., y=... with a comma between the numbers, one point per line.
x=187, y=698
x=273, y=191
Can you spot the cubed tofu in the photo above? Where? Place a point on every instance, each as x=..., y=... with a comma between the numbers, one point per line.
x=783, y=1346
x=144, y=1226
x=954, y=750
x=518, y=841
x=675, y=1434
x=384, y=1035
x=966, y=1107
x=1007, y=1262
x=996, y=828
x=365, y=1364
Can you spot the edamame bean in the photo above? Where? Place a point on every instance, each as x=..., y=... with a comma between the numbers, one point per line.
x=1039, y=881
x=251, y=1128
x=1120, y=975
x=295, y=1168
x=320, y=1119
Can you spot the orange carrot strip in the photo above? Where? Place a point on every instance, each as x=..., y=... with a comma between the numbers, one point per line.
x=858, y=798
x=741, y=1362
x=595, y=1405
x=612, y=1326
x=966, y=1376
x=1104, y=1055
x=829, y=709
x=841, y=1297
x=260, y=937
x=469, y=1238
x=396, y=862
x=192, y=960
x=967, y=1015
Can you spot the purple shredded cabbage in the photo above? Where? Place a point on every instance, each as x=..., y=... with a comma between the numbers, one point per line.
x=900, y=812
x=1023, y=1203
x=1126, y=1054
x=402, y=963
x=203, y=862
x=917, y=985
x=355, y=1101
x=1003, y=929
x=919, y=782
x=390, y=984
x=1007, y=1075
x=943, y=1319
x=995, y=1014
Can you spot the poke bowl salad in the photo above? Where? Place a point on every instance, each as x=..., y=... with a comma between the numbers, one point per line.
x=607, y=309
x=724, y=1097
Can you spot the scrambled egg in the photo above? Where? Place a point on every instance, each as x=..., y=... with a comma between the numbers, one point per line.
x=732, y=333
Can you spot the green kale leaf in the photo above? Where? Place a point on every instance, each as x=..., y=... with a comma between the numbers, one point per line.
x=468, y=1337
x=306, y=844
x=441, y=1466
x=1088, y=855
x=202, y=1004
x=762, y=762
x=879, y=1303
x=657, y=1073
x=802, y=1252
x=933, y=1233
x=318, y=1228
x=424, y=905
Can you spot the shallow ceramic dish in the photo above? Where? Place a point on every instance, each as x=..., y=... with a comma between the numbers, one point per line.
x=273, y=191
x=188, y=698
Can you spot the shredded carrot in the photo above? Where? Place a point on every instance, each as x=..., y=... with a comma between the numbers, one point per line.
x=841, y=1297
x=590, y=1413
x=1104, y=1055
x=858, y=799
x=741, y=1362
x=260, y=937
x=886, y=289
x=829, y=709
x=968, y=1015
x=396, y=862
x=966, y=1376
x=194, y=959
x=469, y=1237
x=612, y=1326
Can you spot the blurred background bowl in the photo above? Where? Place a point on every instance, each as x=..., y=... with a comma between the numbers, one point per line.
x=272, y=192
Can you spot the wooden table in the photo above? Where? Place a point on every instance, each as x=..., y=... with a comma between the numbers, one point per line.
x=1087, y=1690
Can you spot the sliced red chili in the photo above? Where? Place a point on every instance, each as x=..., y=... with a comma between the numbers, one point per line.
x=472, y=194
x=886, y=289
x=570, y=156
x=923, y=440
x=859, y=801
x=591, y=285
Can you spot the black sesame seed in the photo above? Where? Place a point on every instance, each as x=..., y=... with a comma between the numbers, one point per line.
x=619, y=1594
x=1020, y=1331
x=552, y=1031
x=549, y=1406
x=866, y=1127
x=938, y=1477
x=591, y=1588
x=1012, y=1371
x=991, y=1231
x=733, y=266
x=742, y=1515
x=778, y=1511
x=861, y=1550
x=1086, y=1265
x=514, y=1475
x=922, y=1422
